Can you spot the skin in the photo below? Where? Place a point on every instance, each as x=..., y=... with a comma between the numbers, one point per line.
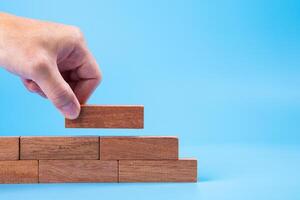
x=51, y=59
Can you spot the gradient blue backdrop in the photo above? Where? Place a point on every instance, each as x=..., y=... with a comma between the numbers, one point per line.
x=224, y=76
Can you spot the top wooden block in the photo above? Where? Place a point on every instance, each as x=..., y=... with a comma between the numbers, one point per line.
x=9, y=148
x=106, y=116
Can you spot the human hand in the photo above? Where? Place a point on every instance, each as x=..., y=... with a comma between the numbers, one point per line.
x=51, y=59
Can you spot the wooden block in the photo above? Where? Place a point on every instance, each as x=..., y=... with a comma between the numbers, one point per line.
x=158, y=170
x=9, y=148
x=138, y=148
x=74, y=171
x=108, y=117
x=59, y=148
x=20, y=171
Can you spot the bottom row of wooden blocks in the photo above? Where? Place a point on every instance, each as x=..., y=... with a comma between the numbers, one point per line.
x=78, y=171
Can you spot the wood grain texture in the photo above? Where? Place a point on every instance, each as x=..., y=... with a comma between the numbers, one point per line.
x=59, y=148
x=108, y=117
x=158, y=171
x=9, y=148
x=75, y=171
x=20, y=171
x=138, y=148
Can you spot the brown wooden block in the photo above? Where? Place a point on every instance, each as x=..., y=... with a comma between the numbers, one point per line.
x=138, y=148
x=59, y=148
x=108, y=117
x=74, y=171
x=9, y=148
x=20, y=171
x=158, y=170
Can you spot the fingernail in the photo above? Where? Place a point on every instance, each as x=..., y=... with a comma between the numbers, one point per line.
x=70, y=111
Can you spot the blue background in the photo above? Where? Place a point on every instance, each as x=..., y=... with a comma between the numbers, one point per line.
x=224, y=76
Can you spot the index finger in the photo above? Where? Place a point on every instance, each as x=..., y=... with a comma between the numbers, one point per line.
x=88, y=77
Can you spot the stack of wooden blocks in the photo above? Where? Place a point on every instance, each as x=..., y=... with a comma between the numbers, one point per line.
x=75, y=159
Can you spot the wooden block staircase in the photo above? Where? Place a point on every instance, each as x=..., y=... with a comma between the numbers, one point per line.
x=84, y=159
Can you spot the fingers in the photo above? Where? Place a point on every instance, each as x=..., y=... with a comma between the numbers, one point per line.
x=58, y=92
x=80, y=69
x=84, y=89
x=82, y=73
x=90, y=78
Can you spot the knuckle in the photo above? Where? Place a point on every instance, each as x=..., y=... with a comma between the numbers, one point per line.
x=77, y=34
x=39, y=67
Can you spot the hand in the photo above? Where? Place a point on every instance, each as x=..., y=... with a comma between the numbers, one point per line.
x=51, y=59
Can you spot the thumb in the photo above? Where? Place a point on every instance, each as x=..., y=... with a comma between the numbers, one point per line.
x=59, y=93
